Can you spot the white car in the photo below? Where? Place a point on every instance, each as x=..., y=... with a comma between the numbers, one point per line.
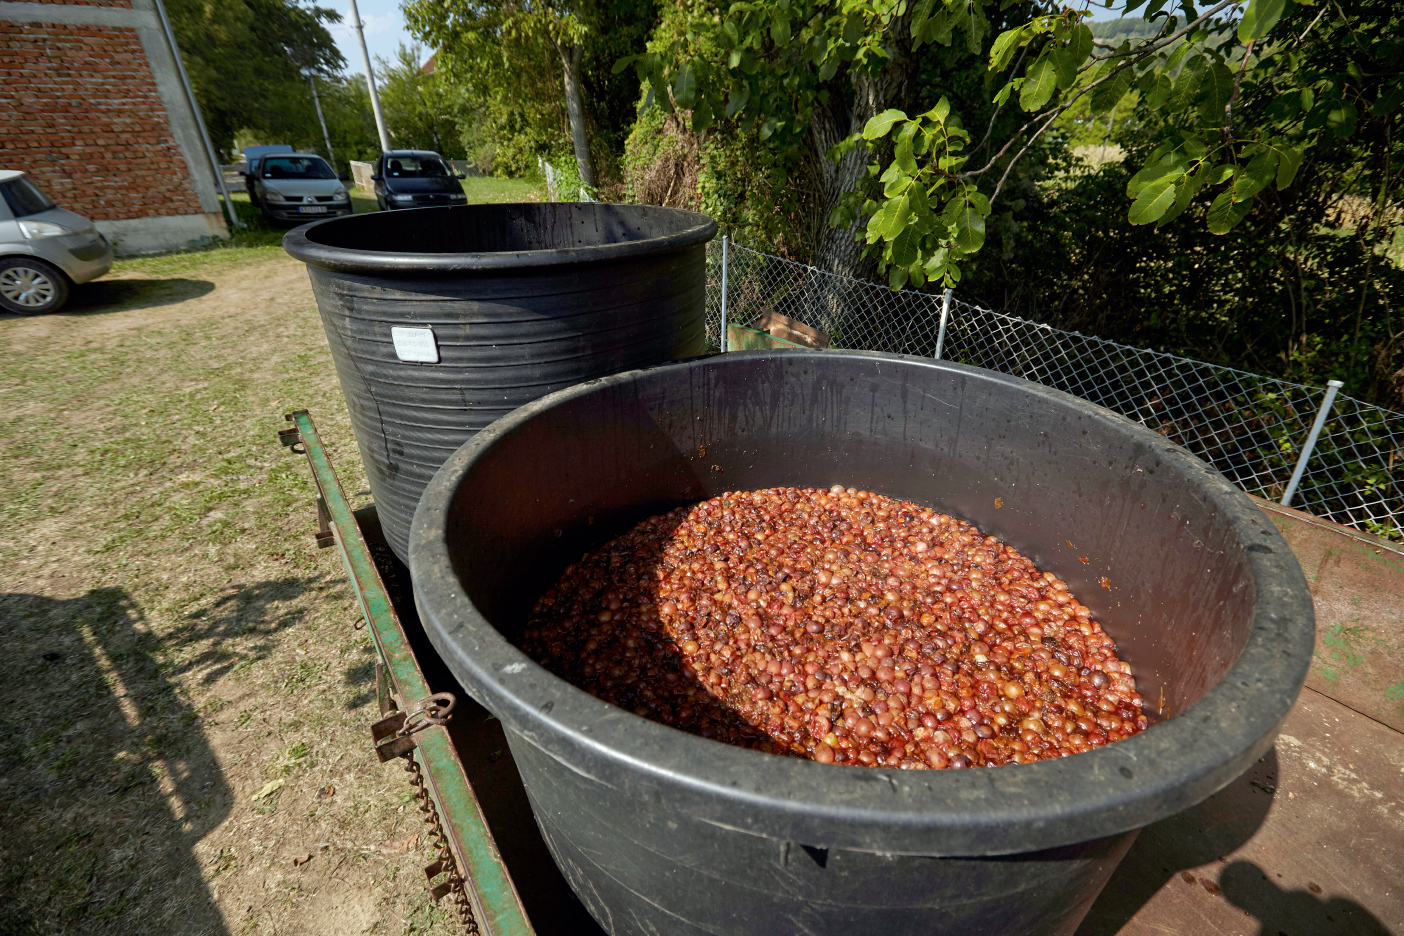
x=44, y=249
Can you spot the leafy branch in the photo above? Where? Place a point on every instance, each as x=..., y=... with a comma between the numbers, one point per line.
x=925, y=213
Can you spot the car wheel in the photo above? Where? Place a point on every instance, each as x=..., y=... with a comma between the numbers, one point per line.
x=31, y=287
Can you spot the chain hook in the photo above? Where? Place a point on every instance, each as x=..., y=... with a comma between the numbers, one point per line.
x=435, y=709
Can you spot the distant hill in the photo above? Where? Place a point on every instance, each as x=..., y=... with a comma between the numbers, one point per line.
x=1134, y=28
x=1128, y=27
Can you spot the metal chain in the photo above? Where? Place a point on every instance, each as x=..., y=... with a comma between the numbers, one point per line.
x=431, y=710
x=458, y=888
x=436, y=709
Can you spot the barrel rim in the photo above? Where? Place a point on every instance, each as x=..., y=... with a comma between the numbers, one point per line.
x=299, y=243
x=979, y=812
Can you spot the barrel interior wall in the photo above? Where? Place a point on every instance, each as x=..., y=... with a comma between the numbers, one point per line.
x=485, y=229
x=961, y=445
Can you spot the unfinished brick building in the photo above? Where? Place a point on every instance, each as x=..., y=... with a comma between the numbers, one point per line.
x=93, y=107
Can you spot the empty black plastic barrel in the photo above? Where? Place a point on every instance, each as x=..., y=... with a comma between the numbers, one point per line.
x=440, y=320
x=660, y=831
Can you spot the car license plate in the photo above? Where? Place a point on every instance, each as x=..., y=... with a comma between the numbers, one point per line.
x=316, y=209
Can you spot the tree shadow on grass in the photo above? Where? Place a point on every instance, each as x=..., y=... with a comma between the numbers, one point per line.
x=236, y=629
x=362, y=674
x=108, y=781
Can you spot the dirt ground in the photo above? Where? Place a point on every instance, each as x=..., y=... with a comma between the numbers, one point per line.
x=184, y=742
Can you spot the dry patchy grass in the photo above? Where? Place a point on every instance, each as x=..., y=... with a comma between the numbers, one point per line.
x=173, y=641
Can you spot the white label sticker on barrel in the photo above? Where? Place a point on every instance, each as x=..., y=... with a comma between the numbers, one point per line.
x=415, y=344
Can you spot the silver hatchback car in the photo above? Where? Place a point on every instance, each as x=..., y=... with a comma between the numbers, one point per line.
x=298, y=187
x=44, y=249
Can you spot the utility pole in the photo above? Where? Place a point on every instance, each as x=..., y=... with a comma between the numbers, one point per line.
x=370, y=79
x=316, y=102
x=199, y=118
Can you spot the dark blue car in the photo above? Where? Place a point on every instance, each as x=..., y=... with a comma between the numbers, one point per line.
x=415, y=179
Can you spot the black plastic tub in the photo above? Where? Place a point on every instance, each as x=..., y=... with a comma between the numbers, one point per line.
x=662, y=832
x=440, y=320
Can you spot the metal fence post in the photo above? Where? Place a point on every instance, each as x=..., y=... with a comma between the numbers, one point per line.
x=1149, y=386
x=723, y=317
x=210, y=153
x=1331, y=387
x=945, y=312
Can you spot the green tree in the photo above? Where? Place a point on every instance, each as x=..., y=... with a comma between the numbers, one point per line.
x=835, y=75
x=806, y=80
x=350, y=121
x=421, y=112
x=1307, y=286
x=534, y=74
x=247, y=59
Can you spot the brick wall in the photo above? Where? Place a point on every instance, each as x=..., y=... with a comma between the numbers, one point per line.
x=83, y=116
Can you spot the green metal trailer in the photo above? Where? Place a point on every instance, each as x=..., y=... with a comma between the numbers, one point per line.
x=1282, y=849
x=452, y=750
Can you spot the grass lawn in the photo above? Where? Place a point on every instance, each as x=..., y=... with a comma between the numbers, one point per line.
x=481, y=190
x=187, y=699
x=487, y=190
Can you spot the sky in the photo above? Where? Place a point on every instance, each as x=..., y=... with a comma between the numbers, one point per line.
x=1099, y=12
x=385, y=29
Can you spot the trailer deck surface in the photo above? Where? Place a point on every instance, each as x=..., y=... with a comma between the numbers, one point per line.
x=1309, y=842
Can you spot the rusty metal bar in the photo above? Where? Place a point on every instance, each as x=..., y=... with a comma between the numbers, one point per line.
x=496, y=905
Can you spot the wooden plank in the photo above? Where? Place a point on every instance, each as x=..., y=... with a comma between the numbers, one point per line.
x=1307, y=843
x=1357, y=585
x=791, y=330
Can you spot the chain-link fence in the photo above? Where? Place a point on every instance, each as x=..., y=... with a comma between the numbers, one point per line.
x=1252, y=428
